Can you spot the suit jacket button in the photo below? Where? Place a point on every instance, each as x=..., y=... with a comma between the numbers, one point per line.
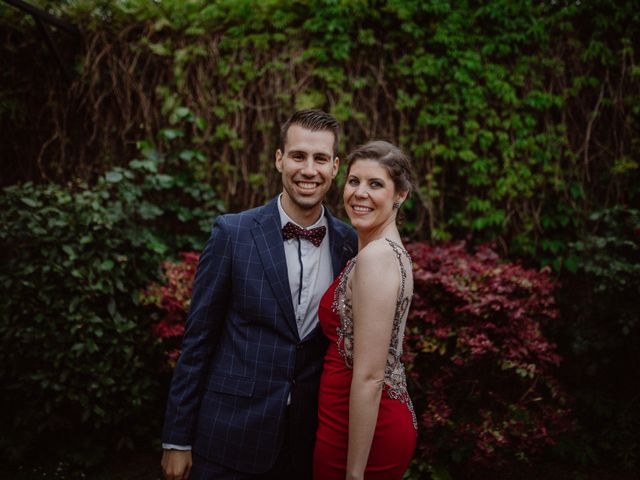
x=293, y=381
x=299, y=346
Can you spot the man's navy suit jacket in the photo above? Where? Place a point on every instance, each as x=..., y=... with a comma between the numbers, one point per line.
x=241, y=354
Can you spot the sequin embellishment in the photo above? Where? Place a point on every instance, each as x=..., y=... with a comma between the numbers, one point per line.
x=394, y=375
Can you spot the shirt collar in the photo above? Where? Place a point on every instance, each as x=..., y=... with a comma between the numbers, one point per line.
x=284, y=218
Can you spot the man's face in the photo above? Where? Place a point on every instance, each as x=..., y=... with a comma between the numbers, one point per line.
x=308, y=167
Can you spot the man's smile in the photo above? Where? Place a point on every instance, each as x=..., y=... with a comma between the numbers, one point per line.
x=307, y=185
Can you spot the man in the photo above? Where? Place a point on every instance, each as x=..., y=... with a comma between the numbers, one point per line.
x=243, y=398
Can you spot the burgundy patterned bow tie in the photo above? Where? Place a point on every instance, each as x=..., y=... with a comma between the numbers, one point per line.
x=314, y=235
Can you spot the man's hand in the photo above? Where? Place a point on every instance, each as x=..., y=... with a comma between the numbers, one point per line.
x=176, y=464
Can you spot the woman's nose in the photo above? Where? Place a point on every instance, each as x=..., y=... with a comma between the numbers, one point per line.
x=362, y=191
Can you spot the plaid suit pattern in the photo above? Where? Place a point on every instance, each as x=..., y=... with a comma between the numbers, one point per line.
x=241, y=355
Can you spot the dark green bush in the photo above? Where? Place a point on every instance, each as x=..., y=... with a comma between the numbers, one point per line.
x=75, y=346
x=601, y=334
x=78, y=362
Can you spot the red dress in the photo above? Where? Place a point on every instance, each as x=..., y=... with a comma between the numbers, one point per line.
x=395, y=435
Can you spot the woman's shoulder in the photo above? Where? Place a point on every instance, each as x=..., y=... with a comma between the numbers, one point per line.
x=378, y=258
x=382, y=249
x=376, y=250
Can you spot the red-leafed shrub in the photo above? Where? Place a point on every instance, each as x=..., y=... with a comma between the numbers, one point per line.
x=479, y=366
x=173, y=298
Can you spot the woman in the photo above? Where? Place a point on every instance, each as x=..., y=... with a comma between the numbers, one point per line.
x=367, y=426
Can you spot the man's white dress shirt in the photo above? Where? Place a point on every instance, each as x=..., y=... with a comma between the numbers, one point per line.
x=315, y=265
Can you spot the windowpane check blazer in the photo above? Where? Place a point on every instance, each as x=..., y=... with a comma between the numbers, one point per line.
x=241, y=354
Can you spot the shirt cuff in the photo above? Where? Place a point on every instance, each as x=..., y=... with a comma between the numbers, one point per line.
x=171, y=446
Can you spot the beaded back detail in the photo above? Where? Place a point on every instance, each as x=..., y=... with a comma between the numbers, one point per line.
x=394, y=375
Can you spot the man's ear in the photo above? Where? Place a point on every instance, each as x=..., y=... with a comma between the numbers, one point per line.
x=279, y=160
x=336, y=164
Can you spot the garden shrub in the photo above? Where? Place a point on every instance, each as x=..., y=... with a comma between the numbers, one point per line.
x=480, y=367
x=601, y=335
x=172, y=297
x=75, y=345
x=78, y=361
x=176, y=204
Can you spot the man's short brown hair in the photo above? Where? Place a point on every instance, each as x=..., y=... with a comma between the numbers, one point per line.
x=314, y=120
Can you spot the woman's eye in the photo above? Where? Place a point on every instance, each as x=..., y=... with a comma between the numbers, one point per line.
x=376, y=184
x=353, y=182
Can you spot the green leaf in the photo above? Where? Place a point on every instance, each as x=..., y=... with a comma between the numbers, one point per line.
x=113, y=177
x=571, y=264
x=157, y=247
x=187, y=154
x=29, y=201
x=106, y=265
x=171, y=133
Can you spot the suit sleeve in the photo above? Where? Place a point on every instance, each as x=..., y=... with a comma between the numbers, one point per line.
x=209, y=302
x=353, y=239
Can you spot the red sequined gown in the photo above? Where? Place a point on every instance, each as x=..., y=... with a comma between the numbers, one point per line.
x=395, y=435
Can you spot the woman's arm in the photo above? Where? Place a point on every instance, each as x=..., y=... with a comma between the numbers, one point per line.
x=374, y=286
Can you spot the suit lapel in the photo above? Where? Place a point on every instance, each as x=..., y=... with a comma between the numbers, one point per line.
x=341, y=250
x=267, y=235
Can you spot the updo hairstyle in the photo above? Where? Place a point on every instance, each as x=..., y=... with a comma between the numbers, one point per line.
x=390, y=157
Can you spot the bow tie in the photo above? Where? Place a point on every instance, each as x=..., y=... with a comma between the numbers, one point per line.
x=314, y=235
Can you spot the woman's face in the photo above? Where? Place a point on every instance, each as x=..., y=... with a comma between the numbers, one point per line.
x=369, y=195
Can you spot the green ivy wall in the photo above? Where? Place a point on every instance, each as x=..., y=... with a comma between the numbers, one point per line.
x=520, y=117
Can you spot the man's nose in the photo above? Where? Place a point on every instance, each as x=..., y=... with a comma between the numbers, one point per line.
x=309, y=168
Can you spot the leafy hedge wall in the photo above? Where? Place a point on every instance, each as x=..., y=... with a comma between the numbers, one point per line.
x=600, y=337
x=79, y=364
x=521, y=117
x=74, y=341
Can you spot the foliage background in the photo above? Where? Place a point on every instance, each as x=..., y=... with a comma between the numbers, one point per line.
x=519, y=116
x=522, y=120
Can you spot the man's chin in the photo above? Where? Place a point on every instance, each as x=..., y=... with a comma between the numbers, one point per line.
x=308, y=203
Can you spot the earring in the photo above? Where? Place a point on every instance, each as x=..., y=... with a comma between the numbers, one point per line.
x=396, y=205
